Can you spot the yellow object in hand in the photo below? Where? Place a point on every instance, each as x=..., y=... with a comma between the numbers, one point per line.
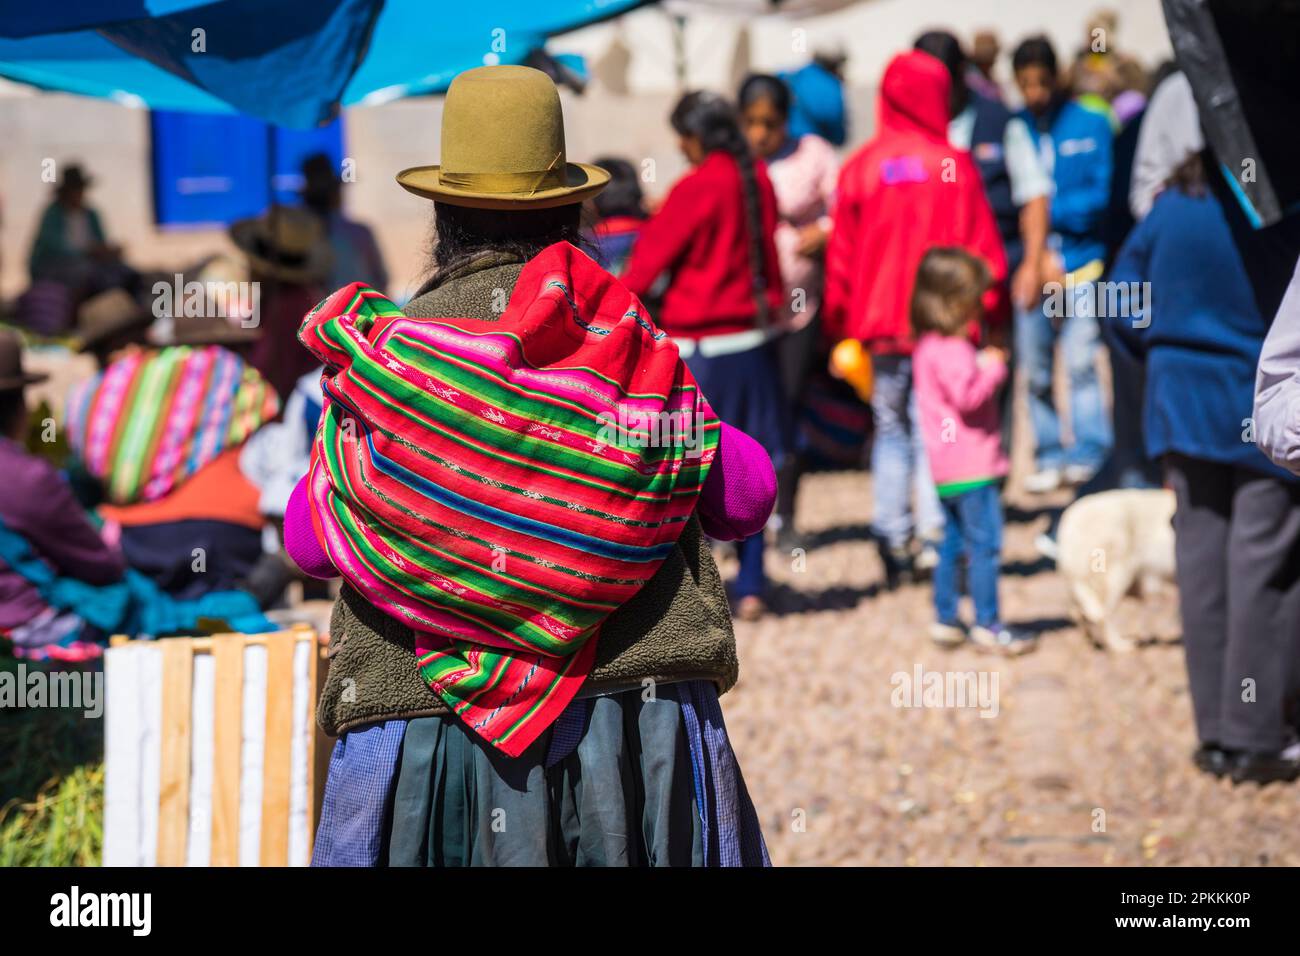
x=851, y=362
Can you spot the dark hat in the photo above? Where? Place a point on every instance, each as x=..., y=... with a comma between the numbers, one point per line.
x=12, y=374
x=286, y=243
x=74, y=177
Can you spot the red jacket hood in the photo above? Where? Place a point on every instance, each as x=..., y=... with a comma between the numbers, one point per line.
x=894, y=201
x=914, y=96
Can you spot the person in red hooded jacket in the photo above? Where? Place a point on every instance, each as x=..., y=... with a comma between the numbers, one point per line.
x=904, y=192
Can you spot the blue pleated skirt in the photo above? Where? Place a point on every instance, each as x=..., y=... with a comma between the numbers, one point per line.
x=745, y=391
x=627, y=779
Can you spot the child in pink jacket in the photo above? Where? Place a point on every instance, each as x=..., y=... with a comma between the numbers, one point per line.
x=956, y=394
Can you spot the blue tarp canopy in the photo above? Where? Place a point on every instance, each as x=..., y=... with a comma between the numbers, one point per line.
x=290, y=62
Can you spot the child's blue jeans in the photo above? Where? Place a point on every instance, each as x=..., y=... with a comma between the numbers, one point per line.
x=973, y=529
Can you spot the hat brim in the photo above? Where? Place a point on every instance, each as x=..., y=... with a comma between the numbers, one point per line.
x=14, y=383
x=211, y=336
x=131, y=324
x=244, y=235
x=581, y=182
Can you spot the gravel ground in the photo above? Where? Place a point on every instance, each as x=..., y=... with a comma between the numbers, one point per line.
x=1085, y=762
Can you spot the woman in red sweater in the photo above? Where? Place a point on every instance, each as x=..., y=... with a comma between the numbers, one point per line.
x=713, y=241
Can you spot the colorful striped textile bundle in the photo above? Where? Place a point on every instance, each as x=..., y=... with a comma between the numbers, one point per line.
x=503, y=486
x=155, y=417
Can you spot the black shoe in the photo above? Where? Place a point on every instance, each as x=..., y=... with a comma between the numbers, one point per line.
x=1263, y=768
x=898, y=564
x=1212, y=759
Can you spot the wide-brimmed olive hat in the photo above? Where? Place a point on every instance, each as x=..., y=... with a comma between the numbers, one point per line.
x=503, y=146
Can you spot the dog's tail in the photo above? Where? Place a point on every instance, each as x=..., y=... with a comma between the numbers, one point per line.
x=1090, y=605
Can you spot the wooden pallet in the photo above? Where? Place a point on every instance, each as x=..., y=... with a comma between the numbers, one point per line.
x=174, y=798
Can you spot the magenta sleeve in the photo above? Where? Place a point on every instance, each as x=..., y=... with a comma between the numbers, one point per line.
x=740, y=491
x=300, y=537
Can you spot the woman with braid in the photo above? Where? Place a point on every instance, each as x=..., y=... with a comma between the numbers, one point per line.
x=713, y=238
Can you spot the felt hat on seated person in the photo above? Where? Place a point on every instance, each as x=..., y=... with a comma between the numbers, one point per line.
x=13, y=377
x=111, y=317
x=503, y=146
x=202, y=330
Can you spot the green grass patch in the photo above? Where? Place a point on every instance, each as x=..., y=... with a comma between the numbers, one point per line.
x=51, y=785
x=63, y=825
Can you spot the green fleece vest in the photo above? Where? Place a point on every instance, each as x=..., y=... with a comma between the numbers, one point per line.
x=676, y=628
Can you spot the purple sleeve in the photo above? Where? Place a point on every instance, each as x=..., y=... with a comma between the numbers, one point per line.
x=740, y=491
x=48, y=515
x=300, y=537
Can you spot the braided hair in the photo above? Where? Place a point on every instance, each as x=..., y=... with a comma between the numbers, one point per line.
x=712, y=120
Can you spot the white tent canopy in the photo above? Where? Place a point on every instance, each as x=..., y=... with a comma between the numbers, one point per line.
x=870, y=32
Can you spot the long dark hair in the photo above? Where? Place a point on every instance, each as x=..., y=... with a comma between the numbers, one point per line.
x=461, y=233
x=712, y=120
x=1189, y=178
x=946, y=48
x=623, y=196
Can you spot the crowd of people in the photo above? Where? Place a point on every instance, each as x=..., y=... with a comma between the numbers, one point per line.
x=181, y=450
x=520, y=572
x=1030, y=192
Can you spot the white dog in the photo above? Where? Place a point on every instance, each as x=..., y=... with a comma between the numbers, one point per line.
x=1110, y=545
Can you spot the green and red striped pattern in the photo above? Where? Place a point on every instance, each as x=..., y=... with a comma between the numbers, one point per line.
x=153, y=418
x=478, y=480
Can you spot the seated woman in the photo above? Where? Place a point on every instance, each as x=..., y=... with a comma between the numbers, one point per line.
x=71, y=246
x=529, y=601
x=40, y=519
x=161, y=430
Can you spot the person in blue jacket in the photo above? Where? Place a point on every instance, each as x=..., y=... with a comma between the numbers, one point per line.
x=1193, y=316
x=1015, y=183
x=1075, y=144
x=817, y=91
